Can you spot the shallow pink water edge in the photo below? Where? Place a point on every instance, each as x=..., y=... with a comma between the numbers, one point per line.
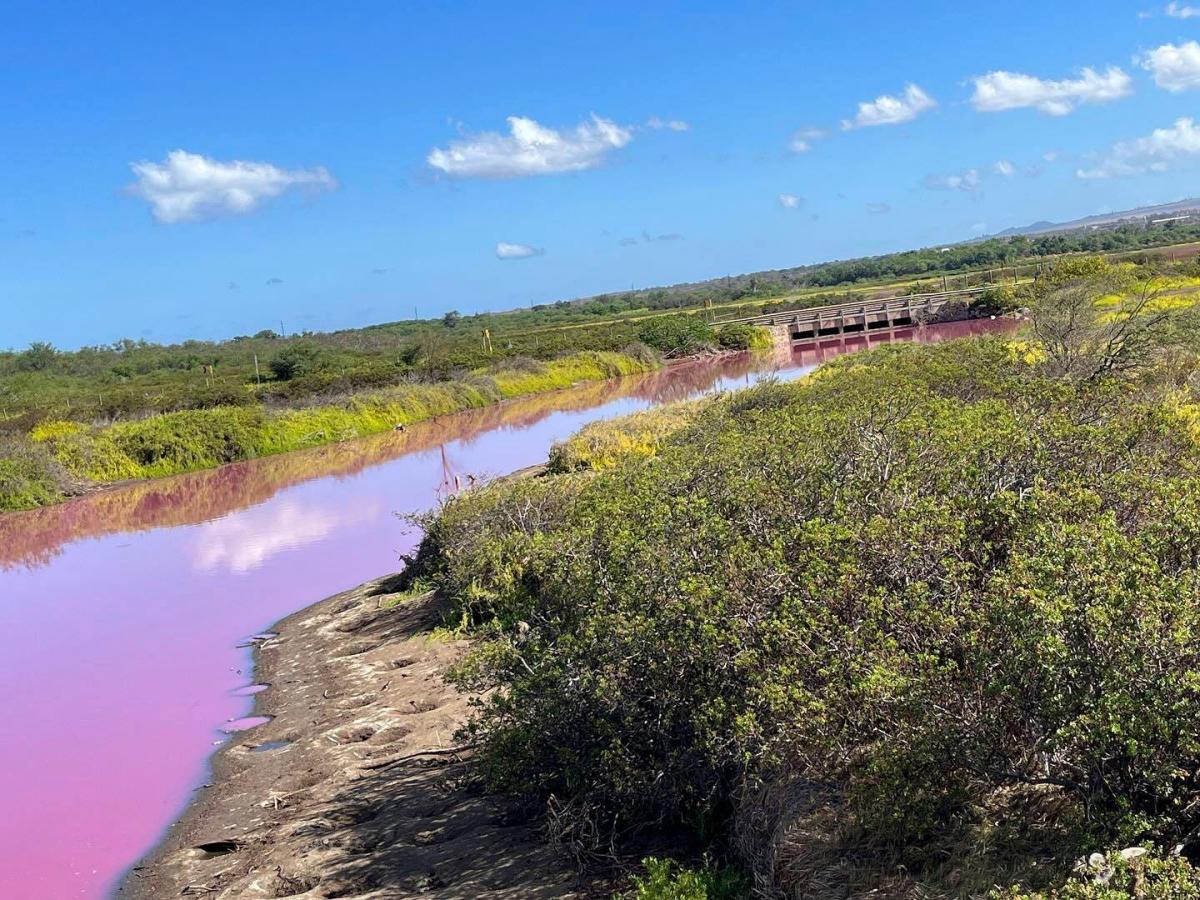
x=121, y=614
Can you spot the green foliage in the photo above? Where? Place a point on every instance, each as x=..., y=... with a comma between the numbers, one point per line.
x=744, y=337
x=605, y=444
x=667, y=880
x=934, y=586
x=39, y=356
x=1111, y=877
x=29, y=476
x=300, y=358
x=207, y=437
x=677, y=335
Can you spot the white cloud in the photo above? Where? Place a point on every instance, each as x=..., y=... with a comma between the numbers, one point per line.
x=1001, y=90
x=187, y=187
x=879, y=209
x=657, y=124
x=1175, y=67
x=245, y=540
x=889, y=110
x=531, y=149
x=802, y=140
x=790, y=201
x=1004, y=167
x=505, y=250
x=967, y=181
x=1050, y=156
x=1162, y=149
x=1181, y=11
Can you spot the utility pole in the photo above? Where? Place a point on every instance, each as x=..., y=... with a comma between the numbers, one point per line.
x=257, y=379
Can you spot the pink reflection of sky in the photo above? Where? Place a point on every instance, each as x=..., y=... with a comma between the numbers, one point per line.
x=120, y=654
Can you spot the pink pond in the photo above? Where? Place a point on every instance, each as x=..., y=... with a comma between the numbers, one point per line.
x=127, y=617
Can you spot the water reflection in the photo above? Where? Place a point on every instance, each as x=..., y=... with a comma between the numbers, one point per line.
x=246, y=539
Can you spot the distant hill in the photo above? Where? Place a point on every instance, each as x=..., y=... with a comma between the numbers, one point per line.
x=1140, y=215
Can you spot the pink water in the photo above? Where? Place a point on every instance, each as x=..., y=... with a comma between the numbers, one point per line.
x=125, y=616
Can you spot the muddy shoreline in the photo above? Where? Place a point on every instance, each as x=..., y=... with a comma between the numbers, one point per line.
x=353, y=788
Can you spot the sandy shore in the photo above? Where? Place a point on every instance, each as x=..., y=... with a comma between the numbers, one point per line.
x=351, y=790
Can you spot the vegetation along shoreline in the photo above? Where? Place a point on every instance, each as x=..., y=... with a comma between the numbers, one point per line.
x=923, y=624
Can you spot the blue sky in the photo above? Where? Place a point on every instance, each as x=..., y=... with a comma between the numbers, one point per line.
x=170, y=172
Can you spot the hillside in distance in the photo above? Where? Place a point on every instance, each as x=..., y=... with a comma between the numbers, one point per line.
x=1188, y=208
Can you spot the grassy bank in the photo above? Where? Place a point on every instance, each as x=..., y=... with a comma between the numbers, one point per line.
x=60, y=456
x=924, y=624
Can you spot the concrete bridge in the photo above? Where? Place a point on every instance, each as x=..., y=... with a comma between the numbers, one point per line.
x=857, y=315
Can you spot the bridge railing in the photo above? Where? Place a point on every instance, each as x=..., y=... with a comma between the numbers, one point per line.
x=855, y=307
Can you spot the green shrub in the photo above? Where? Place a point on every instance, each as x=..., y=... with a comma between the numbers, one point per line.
x=299, y=358
x=1112, y=877
x=677, y=335
x=667, y=880
x=744, y=337
x=29, y=476
x=605, y=444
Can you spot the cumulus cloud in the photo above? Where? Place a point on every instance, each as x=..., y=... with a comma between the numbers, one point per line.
x=1175, y=67
x=1004, y=167
x=656, y=124
x=506, y=250
x=997, y=91
x=790, y=201
x=188, y=187
x=889, y=110
x=967, y=181
x=801, y=141
x=1159, y=151
x=1181, y=11
x=530, y=149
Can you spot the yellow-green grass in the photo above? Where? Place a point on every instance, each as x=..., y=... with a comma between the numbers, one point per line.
x=603, y=445
x=177, y=442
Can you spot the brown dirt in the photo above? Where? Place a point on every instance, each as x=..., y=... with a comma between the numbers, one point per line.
x=360, y=803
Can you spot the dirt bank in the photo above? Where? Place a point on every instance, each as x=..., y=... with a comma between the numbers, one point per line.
x=351, y=789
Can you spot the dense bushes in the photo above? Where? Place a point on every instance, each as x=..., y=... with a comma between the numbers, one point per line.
x=1120, y=876
x=928, y=606
x=29, y=476
x=744, y=337
x=602, y=445
x=677, y=335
